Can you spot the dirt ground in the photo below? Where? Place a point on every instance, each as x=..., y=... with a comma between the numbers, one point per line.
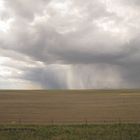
x=77, y=106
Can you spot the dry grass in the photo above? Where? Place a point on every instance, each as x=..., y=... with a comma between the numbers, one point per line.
x=70, y=107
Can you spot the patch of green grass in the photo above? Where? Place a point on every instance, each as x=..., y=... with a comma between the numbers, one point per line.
x=71, y=132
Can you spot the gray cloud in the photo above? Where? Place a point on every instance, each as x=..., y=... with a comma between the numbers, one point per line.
x=70, y=44
x=51, y=77
x=27, y=8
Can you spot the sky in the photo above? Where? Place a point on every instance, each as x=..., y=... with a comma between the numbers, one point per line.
x=69, y=44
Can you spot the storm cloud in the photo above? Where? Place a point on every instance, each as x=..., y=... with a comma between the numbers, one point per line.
x=73, y=44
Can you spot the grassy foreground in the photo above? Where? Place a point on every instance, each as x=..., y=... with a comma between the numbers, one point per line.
x=71, y=132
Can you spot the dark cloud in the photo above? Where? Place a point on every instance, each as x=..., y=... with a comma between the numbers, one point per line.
x=51, y=77
x=71, y=44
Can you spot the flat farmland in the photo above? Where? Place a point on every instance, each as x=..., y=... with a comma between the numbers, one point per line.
x=69, y=106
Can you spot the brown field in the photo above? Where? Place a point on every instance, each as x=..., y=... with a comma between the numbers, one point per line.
x=64, y=107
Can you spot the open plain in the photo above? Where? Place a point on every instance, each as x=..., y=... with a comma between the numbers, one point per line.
x=69, y=107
